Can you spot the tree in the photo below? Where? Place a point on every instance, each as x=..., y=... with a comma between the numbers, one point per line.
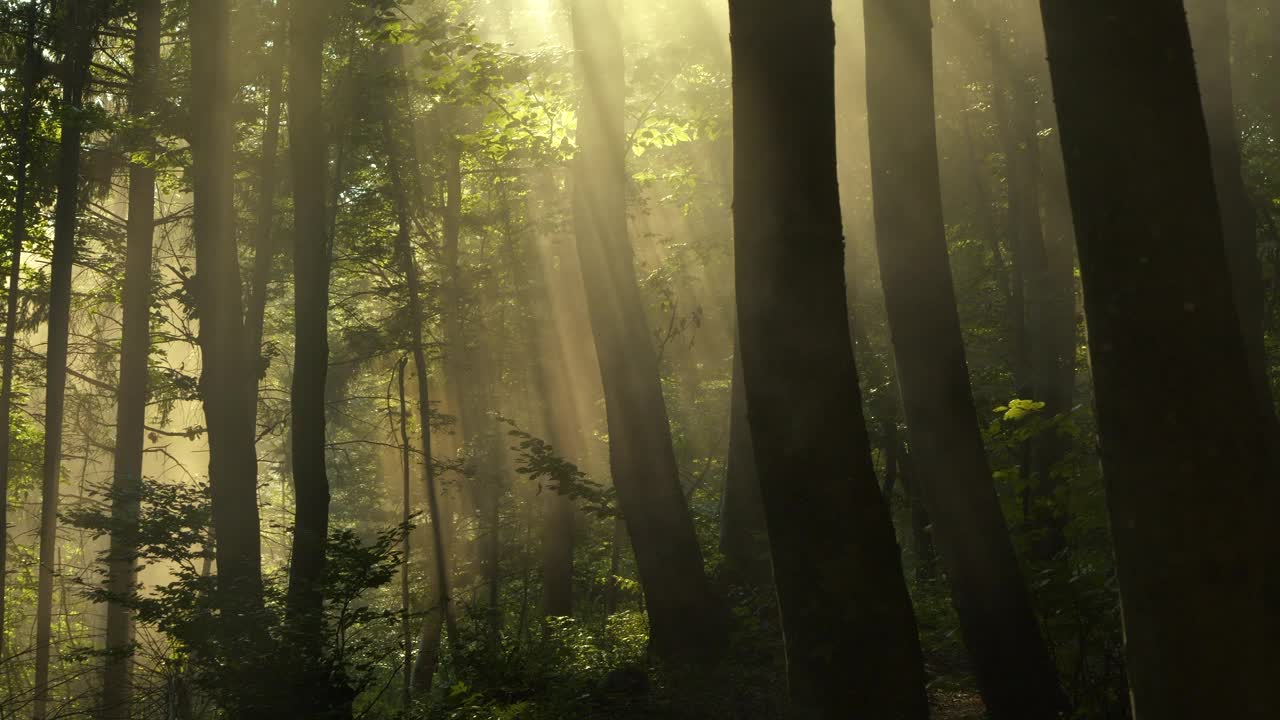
x=79, y=22
x=1185, y=461
x=316, y=689
x=23, y=151
x=1014, y=669
x=230, y=406
x=686, y=618
x=743, y=539
x=851, y=642
x=401, y=166
x=131, y=403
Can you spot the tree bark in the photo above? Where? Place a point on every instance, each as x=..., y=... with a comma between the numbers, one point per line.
x=1015, y=673
x=406, y=516
x=30, y=68
x=264, y=249
x=1185, y=461
x=851, y=642
x=743, y=539
x=131, y=399
x=686, y=618
x=317, y=690
x=229, y=403
x=78, y=29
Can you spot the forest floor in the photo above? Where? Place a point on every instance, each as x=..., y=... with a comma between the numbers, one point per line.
x=957, y=705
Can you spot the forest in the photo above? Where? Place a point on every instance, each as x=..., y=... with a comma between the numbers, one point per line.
x=596, y=359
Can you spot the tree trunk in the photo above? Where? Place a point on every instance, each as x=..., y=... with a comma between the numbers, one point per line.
x=30, y=68
x=406, y=516
x=317, y=689
x=743, y=540
x=131, y=398
x=264, y=249
x=926, y=569
x=1017, y=677
x=440, y=616
x=686, y=619
x=851, y=642
x=1185, y=460
x=78, y=32
x=229, y=403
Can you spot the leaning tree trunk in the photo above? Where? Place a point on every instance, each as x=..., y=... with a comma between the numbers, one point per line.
x=1185, y=460
x=31, y=64
x=851, y=643
x=79, y=24
x=317, y=690
x=686, y=618
x=131, y=397
x=1016, y=675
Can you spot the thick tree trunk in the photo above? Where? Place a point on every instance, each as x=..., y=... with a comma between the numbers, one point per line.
x=229, y=403
x=78, y=51
x=30, y=68
x=743, y=539
x=851, y=642
x=686, y=619
x=131, y=402
x=1185, y=461
x=309, y=156
x=1017, y=677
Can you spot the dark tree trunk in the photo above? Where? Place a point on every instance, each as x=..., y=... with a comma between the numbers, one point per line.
x=131, y=399
x=406, y=516
x=851, y=642
x=926, y=553
x=264, y=249
x=1017, y=677
x=229, y=403
x=743, y=540
x=686, y=618
x=1185, y=460
x=78, y=29
x=30, y=68
x=1056, y=375
x=309, y=154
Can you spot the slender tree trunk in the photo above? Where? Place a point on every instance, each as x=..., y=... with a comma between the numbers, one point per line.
x=686, y=618
x=78, y=51
x=264, y=249
x=743, y=539
x=554, y=392
x=229, y=404
x=1017, y=677
x=926, y=569
x=440, y=617
x=1185, y=461
x=30, y=68
x=131, y=402
x=1036, y=361
x=309, y=154
x=406, y=516
x=851, y=642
